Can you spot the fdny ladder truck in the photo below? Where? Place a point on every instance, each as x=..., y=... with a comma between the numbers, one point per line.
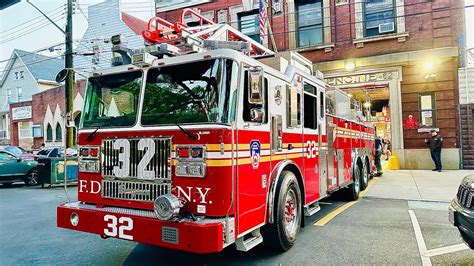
x=206, y=138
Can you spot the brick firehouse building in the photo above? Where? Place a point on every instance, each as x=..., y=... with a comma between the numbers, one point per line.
x=400, y=57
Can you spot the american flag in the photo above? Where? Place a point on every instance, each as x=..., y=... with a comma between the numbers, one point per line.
x=263, y=19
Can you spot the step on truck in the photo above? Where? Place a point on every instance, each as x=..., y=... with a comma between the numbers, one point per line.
x=205, y=138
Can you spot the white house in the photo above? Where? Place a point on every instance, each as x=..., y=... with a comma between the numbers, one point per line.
x=25, y=74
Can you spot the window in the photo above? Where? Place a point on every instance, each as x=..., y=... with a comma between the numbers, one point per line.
x=310, y=22
x=9, y=95
x=49, y=133
x=427, y=110
x=59, y=132
x=198, y=92
x=293, y=107
x=310, y=106
x=37, y=131
x=249, y=106
x=321, y=104
x=24, y=130
x=19, y=75
x=249, y=24
x=19, y=92
x=379, y=17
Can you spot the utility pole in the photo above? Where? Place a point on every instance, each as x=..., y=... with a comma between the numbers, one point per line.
x=69, y=86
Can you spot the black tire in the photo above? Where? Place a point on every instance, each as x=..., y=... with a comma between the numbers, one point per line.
x=9, y=184
x=31, y=178
x=281, y=235
x=365, y=176
x=352, y=192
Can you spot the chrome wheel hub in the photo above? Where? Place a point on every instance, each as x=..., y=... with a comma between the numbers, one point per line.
x=291, y=213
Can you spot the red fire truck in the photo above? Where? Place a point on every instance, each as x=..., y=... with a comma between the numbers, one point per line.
x=206, y=138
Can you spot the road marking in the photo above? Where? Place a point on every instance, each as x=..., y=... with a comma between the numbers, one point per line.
x=424, y=252
x=419, y=239
x=446, y=250
x=326, y=219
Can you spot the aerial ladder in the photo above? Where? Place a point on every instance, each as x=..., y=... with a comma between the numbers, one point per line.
x=179, y=38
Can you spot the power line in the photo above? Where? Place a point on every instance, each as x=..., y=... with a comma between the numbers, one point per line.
x=37, y=27
x=52, y=12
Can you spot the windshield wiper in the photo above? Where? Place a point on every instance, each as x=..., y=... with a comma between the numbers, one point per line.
x=187, y=133
x=91, y=136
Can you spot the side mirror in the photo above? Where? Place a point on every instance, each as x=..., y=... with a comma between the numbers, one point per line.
x=18, y=159
x=255, y=85
x=257, y=115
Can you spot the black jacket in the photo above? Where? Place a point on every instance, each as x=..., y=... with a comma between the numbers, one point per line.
x=435, y=143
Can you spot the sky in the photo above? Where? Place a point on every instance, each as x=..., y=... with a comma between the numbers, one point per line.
x=39, y=33
x=17, y=31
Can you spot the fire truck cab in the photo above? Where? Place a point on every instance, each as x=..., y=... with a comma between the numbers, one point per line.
x=198, y=151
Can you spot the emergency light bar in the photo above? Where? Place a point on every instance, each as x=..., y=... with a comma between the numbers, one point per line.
x=234, y=45
x=145, y=56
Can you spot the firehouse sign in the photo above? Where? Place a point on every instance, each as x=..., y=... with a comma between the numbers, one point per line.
x=362, y=78
x=255, y=153
x=23, y=112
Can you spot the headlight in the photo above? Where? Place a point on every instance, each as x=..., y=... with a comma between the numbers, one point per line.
x=190, y=169
x=89, y=166
x=191, y=161
x=167, y=206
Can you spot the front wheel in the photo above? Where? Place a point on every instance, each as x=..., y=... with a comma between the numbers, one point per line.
x=287, y=215
x=32, y=178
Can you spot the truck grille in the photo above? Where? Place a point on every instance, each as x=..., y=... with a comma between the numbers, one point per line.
x=127, y=190
x=133, y=186
x=159, y=163
x=465, y=196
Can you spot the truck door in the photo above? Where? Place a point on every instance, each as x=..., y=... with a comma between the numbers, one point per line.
x=311, y=142
x=253, y=150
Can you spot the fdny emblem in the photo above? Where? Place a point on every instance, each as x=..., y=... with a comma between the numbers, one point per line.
x=255, y=153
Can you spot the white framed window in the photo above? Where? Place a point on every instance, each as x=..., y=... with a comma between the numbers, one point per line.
x=249, y=24
x=24, y=130
x=9, y=95
x=379, y=17
x=310, y=22
x=19, y=94
x=19, y=75
x=37, y=131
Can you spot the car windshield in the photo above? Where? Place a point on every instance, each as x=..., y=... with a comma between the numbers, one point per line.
x=112, y=100
x=44, y=152
x=14, y=150
x=197, y=92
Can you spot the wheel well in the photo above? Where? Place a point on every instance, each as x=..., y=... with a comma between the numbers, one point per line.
x=292, y=168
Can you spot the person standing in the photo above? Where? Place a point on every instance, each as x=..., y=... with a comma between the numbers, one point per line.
x=435, y=143
x=378, y=155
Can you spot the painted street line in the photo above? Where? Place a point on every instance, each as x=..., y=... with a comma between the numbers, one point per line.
x=424, y=252
x=326, y=219
x=419, y=239
x=446, y=250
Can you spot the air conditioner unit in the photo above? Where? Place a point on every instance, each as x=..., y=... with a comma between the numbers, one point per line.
x=386, y=27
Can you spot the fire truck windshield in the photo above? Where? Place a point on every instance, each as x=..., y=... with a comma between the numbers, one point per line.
x=198, y=92
x=112, y=100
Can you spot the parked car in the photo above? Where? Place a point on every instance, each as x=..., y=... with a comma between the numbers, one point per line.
x=15, y=169
x=18, y=151
x=461, y=211
x=55, y=152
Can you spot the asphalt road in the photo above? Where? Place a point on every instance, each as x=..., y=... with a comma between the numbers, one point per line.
x=372, y=231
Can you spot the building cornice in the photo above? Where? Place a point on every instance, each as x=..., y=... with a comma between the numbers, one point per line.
x=403, y=58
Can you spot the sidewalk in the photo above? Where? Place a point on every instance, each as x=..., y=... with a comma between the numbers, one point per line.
x=418, y=185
